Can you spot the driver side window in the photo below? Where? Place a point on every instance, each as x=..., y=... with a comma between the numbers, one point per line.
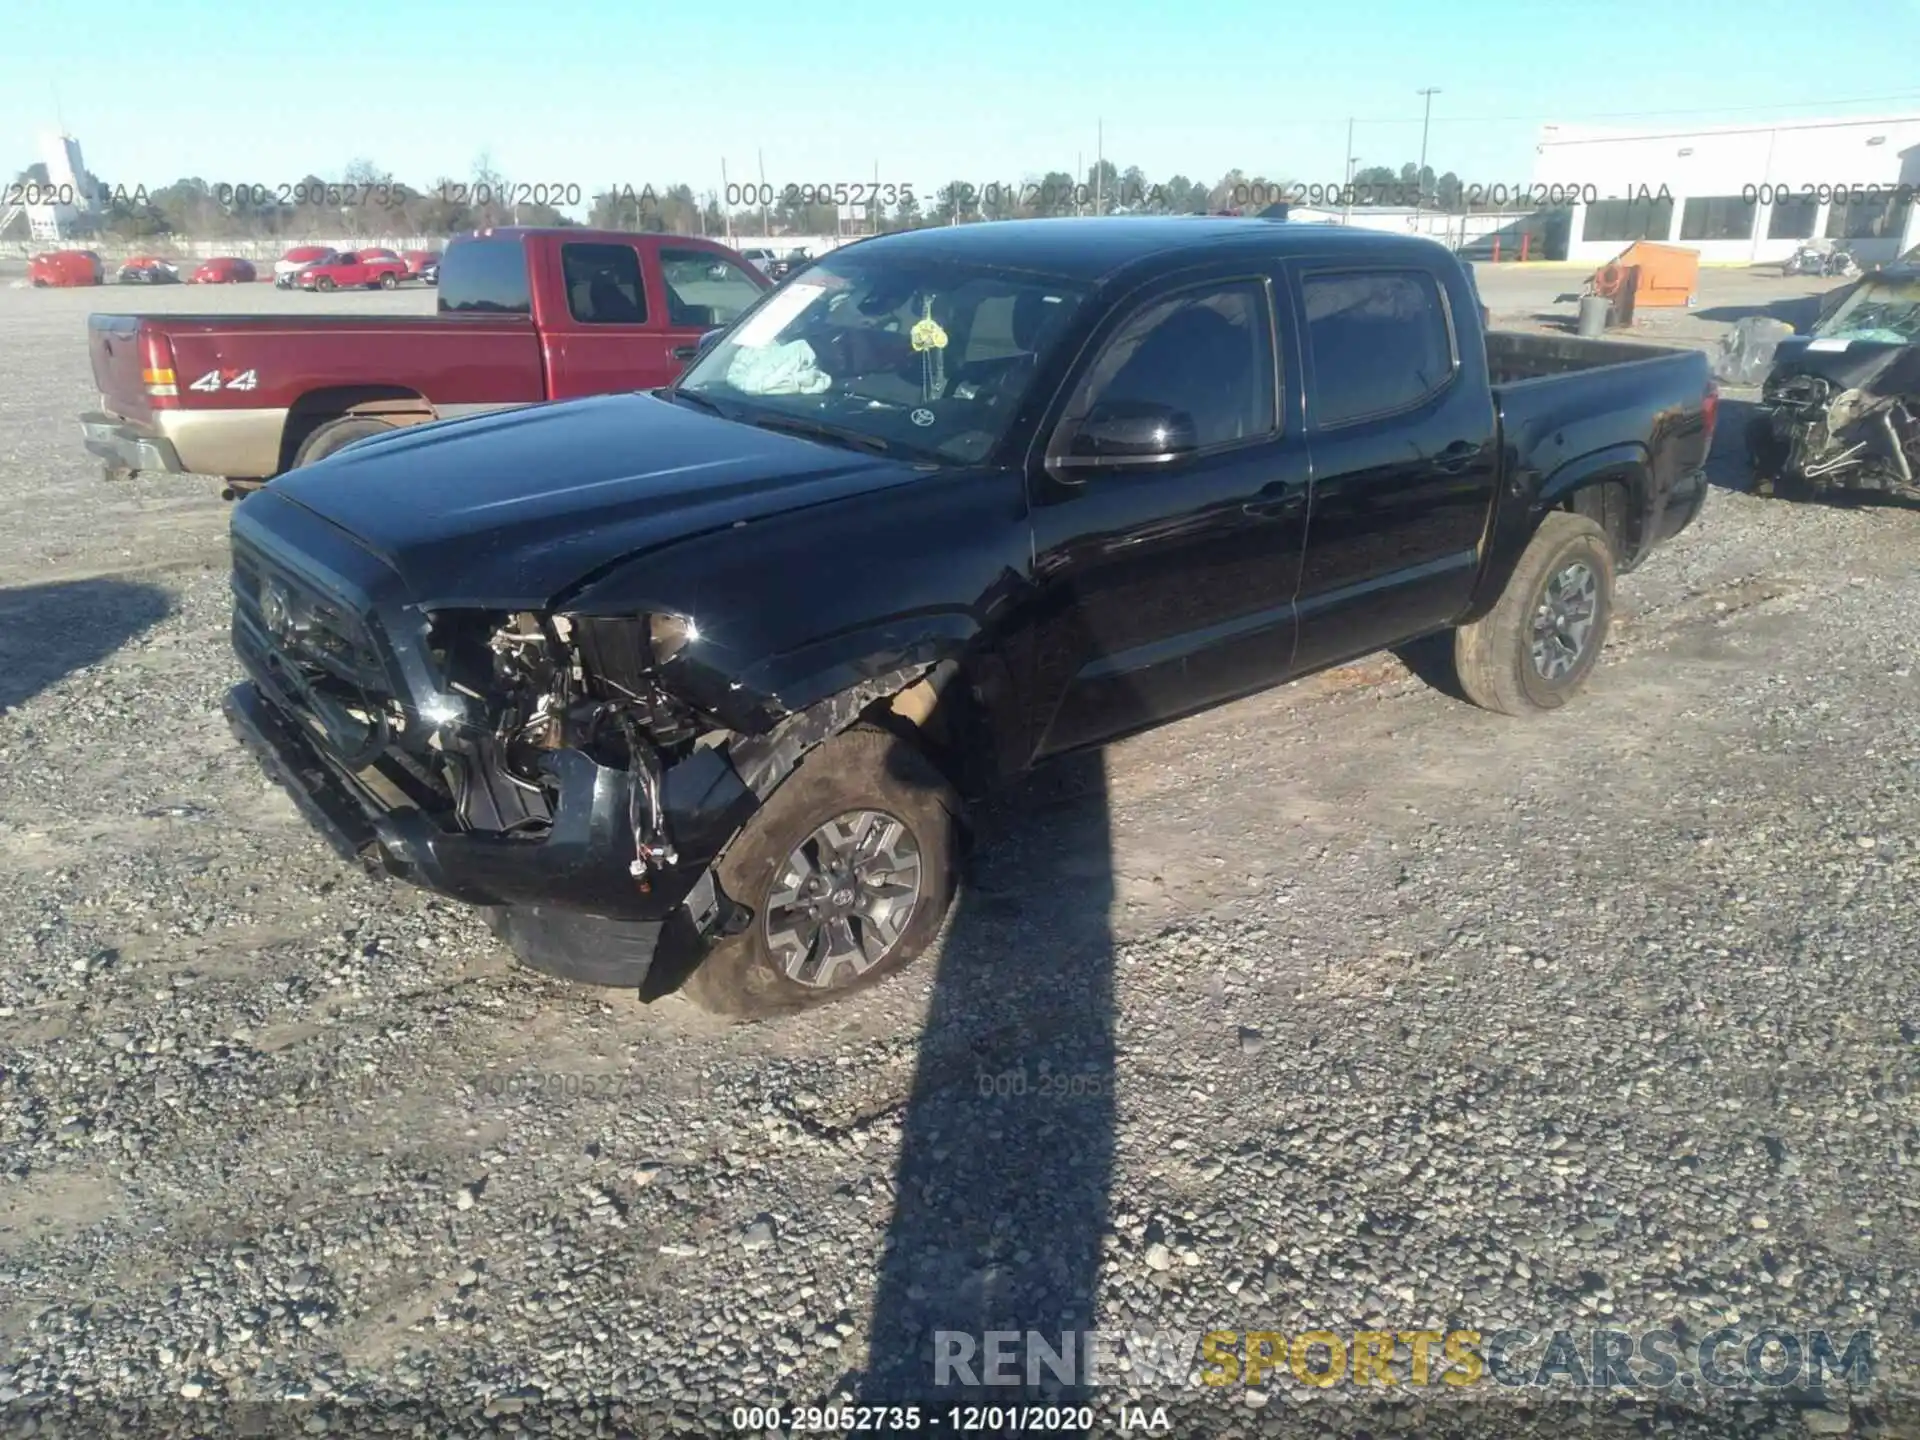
x=1205, y=352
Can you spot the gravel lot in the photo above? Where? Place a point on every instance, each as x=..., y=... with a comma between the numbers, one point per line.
x=1343, y=1007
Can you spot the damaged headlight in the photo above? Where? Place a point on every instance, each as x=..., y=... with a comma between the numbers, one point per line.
x=669, y=635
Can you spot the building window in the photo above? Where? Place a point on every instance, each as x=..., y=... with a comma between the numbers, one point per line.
x=1716, y=217
x=1793, y=219
x=1880, y=217
x=1628, y=220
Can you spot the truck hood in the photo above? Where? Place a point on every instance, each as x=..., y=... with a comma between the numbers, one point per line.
x=511, y=510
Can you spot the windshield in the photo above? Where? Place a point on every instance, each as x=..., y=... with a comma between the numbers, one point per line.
x=926, y=359
x=1877, y=310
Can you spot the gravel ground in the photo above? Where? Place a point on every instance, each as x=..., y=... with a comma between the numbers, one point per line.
x=1344, y=1007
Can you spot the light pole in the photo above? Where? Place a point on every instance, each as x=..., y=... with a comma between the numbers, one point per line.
x=1346, y=207
x=1420, y=179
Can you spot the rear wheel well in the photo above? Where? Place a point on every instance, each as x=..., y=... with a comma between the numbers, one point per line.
x=1608, y=502
x=395, y=404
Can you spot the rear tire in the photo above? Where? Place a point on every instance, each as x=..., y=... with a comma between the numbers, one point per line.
x=908, y=843
x=1534, y=650
x=323, y=283
x=337, y=435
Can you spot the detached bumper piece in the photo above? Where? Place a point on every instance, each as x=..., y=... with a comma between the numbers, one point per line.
x=566, y=902
x=127, y=446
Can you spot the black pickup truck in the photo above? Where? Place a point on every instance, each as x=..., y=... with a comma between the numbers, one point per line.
x=685, y=685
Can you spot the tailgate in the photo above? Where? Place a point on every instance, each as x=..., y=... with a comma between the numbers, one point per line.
x=117, y=348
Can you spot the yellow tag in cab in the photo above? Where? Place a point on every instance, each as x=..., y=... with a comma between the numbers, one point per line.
x=927, y=334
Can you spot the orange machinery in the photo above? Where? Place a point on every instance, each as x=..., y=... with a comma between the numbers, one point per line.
x=1648, y=276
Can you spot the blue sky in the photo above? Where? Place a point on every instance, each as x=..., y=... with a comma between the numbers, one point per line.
x=599, y=92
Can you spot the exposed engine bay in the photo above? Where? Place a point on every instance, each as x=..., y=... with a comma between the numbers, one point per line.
x=546, y=687
x=1820, y=435
x=551, y=683
x=1840, y=409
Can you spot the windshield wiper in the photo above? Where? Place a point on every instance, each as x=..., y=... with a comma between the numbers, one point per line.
x=814, y=430
x=700, y=402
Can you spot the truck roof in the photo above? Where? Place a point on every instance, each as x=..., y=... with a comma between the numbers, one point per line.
x=581, y=234
x=1093, y=247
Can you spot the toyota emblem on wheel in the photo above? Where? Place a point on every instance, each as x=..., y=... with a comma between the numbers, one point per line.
x=922, y=417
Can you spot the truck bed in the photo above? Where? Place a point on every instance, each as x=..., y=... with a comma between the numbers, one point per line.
x=1515, y=355
x=1568, y=405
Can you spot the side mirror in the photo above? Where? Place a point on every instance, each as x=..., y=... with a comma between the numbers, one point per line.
x=1129, y=432
x=708, y=341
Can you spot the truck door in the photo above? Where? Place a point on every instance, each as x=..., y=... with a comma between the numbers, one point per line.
x=1402, y=432
x=1163, y=588
x=610, y=337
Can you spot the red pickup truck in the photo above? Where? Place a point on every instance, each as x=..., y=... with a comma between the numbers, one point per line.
x=524, y=316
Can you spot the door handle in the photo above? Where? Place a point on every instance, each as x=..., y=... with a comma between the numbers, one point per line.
x=1456, y=458
x=685, y=352
x=1280, y=504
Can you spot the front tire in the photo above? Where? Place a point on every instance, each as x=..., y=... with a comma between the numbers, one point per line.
x=849, y=870
x=323, y=283
x=388, y=281
x=1534, y=650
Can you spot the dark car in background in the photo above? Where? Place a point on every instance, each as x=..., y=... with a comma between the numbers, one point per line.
x=782, y=266
x=1840, y=406
x=147, y=270
x=684, y=686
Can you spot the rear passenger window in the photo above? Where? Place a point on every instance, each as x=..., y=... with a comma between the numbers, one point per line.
x=486, y=276
x=603, y=284
x=1380, y=342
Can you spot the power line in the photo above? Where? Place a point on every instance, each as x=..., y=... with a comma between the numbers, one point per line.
x=1635, y=114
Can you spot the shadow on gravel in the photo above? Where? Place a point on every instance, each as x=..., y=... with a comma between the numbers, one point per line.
x=49, y=631
x=1001, y=1199
x=1430, y=659
x=1727, y=466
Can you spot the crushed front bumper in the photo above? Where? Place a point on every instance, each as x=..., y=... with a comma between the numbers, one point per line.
x=128, y=446
x=567, y=903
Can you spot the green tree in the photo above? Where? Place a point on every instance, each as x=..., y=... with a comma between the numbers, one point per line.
x=1055, y=195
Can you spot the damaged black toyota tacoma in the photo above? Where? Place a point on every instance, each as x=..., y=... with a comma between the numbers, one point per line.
x=685, y=686
x=1840, y=409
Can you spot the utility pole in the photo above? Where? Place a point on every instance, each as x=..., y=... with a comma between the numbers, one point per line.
x=1346, y=211
x=1420, y=179
x=1099, y=164
x=766, y=225
x=726, y=201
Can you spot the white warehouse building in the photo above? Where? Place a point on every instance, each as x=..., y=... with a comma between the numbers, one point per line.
x=1739, y=194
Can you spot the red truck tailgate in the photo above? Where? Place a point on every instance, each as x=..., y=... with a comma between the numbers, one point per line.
x=115, y=348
